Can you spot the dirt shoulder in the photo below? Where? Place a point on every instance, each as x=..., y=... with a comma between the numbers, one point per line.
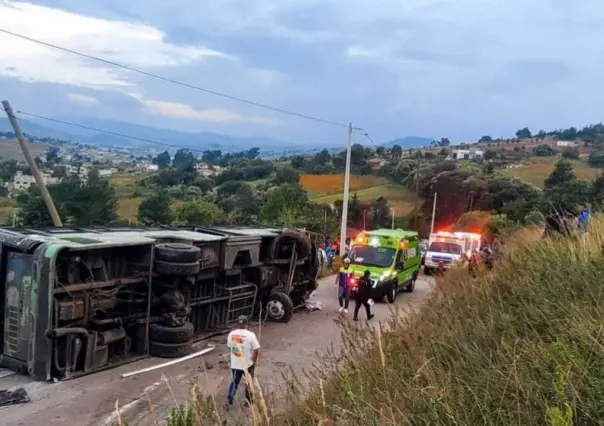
x=286, y=348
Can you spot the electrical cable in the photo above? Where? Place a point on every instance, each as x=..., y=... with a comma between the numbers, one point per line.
x=174, y=81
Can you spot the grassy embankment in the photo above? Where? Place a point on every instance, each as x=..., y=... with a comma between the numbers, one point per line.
x=130, y=194
x=328, y=188
x=541, y=167
x=523, y=345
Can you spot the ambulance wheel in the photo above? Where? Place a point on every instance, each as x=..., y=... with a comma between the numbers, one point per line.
x=410, y=288
x=279, y=307
x=391, y=295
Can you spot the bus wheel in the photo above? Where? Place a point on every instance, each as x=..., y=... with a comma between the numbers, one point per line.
x=279, y=307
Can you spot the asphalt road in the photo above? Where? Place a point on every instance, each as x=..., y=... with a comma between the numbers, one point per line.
x=286, y=348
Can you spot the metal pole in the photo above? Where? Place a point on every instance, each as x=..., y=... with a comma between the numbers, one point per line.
x=56, y=220
x=346, y=194
x=433, y=214
x=392, y=213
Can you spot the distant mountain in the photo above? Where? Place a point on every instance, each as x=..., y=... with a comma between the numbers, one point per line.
x=409, y=142
x=197, y=141
x=35, y=129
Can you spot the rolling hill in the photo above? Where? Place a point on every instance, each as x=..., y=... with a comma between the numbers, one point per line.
x=328, y=189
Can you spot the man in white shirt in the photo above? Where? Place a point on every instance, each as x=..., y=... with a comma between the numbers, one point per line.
x=244, y=347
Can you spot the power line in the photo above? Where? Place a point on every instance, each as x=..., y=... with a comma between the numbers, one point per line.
x=122, y=135
x=173, y=81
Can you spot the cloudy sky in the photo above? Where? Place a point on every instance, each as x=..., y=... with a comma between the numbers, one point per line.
x=455, y=68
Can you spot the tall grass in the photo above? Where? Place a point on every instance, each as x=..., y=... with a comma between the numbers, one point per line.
x=521, y=345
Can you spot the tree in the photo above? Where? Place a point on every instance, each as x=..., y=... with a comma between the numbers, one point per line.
x=444, y=142
x=183, y=159
x=489, y=154
x=33, y=211
x=156, y=210
x=357, y=155
x=355, y=210
x=380, y=213
x=396, y=151
x=523, y=133
x=93, y=203
x=543, y=150
x=163, y=160
x=283, y=197
x=485, y=138
x=562, y=174
x=286, y=174
x=197, y=212
x=571, y=153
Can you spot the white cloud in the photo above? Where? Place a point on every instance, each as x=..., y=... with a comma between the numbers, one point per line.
x=214, y=115
x=133, y=44
x=83, y=99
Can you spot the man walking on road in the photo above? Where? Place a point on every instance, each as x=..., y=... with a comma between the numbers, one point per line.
x=362, y=296
x=244, y=347
x=343, y=281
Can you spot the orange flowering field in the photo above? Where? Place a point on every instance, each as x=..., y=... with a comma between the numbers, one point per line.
x=334, y=184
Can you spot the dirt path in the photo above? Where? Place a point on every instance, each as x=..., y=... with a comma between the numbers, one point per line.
x=91, y=400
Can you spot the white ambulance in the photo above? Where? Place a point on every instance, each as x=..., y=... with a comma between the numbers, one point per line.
x=447, y=248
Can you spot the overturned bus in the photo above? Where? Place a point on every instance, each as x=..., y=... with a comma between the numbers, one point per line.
x=80, y=300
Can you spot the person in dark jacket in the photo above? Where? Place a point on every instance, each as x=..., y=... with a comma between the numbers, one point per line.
x=362, y=296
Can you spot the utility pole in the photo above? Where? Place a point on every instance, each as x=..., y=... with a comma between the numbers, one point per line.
x=392, y=213
x=433, y=214
x=56, y=220
x=417, y=178
x=344, y=223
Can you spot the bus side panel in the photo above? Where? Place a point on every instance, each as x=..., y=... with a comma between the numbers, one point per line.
x=18, y=315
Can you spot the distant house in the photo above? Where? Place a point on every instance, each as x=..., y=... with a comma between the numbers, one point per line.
x=80, y=171
x=467, y=154
x=376, y=163
x=566, y=144
x=207, y=170
x=107, y=172
x=22, y=182
x=147, y=167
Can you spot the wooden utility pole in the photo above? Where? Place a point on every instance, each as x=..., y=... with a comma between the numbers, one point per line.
x=56, y=220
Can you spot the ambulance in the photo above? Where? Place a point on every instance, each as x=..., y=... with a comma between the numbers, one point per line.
x=392, y=258
x=446, y=248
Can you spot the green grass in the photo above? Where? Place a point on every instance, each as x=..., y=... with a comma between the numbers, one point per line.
x=10, y=150
x=521, y=345
x=399, y=197
x=541, y=168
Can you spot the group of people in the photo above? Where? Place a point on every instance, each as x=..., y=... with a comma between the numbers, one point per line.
x=328, y=251
x=358, y=289
x=566, y=222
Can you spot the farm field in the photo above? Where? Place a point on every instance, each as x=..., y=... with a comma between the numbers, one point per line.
x=329, y=188
x=541, y=168
x=10, y=150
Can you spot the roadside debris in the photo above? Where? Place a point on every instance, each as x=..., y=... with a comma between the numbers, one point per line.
x=13, y=397
x=168, y=363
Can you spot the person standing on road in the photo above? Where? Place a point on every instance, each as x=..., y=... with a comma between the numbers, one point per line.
x=244, y=348
x=343, y=282
x=362, y=296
